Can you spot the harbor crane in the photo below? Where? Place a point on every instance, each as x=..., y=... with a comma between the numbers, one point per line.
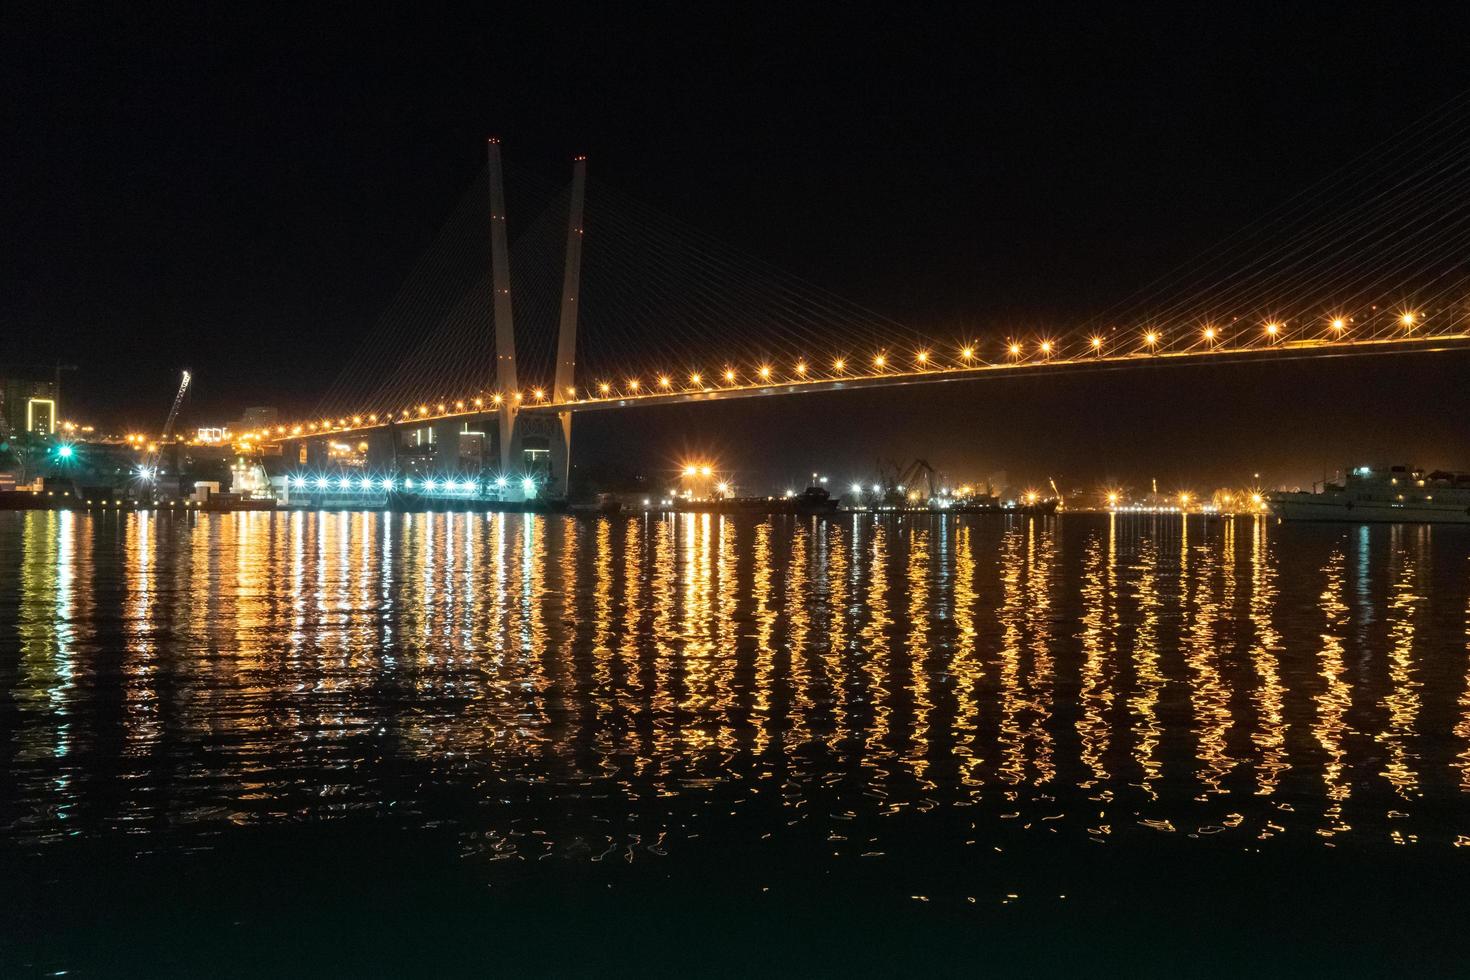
x=149, y=469
x=899, y=481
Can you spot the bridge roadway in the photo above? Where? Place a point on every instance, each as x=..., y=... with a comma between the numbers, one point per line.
x=1031, y=366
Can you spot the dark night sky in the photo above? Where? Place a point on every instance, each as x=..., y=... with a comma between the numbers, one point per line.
x=239, y=189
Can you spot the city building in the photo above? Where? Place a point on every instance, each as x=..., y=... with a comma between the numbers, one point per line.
x=28, y=405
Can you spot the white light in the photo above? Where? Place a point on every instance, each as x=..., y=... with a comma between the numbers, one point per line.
x=365, y=483
x=386, y=484
x=296, y=481
x=408, y=483
x=322, y=483
x=857, y=488
x=431, y=484
x=344, y=483
x=500, y=482
x=528, y=484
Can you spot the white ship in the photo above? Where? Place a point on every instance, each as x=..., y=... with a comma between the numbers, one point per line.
x=1397, y=494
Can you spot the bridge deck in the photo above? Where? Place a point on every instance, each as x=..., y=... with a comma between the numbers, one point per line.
x=1033, y=366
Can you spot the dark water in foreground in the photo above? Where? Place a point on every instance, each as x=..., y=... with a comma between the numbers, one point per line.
x=457, y=743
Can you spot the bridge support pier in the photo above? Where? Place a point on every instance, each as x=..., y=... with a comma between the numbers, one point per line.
x=446, y=446
x=317, y=453
x=382, y=456
x=538, y=451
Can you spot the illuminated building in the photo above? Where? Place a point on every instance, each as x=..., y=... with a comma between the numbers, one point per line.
x=28, y=405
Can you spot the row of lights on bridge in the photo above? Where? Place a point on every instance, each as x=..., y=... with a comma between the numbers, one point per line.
x=1273, y=330
x=765, y=373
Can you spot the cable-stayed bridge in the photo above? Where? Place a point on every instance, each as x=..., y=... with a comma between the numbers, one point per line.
x=478, y=367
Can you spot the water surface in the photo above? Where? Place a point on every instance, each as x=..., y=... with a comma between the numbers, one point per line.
x=363, y=742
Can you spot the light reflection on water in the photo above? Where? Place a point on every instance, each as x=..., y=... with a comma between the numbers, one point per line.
x=582, y=688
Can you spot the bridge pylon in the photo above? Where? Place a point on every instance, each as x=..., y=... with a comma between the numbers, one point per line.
x=566, y=342
x=505, y=334
x=530, y=447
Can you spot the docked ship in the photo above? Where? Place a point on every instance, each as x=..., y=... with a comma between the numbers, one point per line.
x=994, y=505
x=1397, y=494
x=813, y=500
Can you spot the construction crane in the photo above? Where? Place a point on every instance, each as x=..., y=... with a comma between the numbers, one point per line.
x=149, y=470
x=173, y=412
x=1056, y=493
x=899, y=481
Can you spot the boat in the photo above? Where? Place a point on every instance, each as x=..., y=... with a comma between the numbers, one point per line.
x=1394, y=494
x=814, y=500
x=994, y=505
x=606, y=505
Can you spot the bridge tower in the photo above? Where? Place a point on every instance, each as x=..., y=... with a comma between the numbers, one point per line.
x=505, y=334
x=566, y=343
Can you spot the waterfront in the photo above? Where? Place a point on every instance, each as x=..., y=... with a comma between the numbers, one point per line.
x=459, y=741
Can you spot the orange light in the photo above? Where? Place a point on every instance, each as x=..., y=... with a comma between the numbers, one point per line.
x=1273, y=328
x=765, y=371
x=1150, y=338
x=604, y=387
x=538, y=394
x=1046, y=347
x=694, y=378
x=801, y=367
x=1096, y=343
x=968, y=353
x=1408, y=319
x=922, y=357
x=1015, y=349
x=632, y=384
x=729, y=376
x=879, y=361
x=663, y=381
x=839, y=365
x=1339, y=324
x=1209, y=333
x=496, y=399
